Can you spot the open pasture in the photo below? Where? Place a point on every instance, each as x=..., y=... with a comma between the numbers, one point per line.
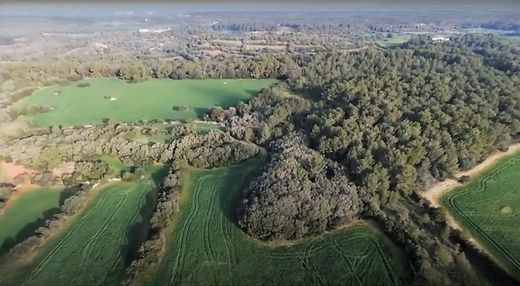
x=93, y=100
x=489, y=208
x=206, y=247
x=393, y=41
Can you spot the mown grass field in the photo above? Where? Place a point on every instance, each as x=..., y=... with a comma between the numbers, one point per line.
x=120, y=101
x=97, y=245
x=206, y=247
x=26, y=213
x=489, y=208
x=394, y=41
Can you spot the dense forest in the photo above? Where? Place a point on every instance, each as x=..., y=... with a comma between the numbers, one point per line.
x=396, y=122
x=349, y=136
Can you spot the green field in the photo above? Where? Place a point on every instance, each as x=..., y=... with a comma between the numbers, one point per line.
x=512, y=36
x=120, y=101
x=489, y=207
x=205, y=246
x=394, y=41
x=25, y=214
x=98, y=244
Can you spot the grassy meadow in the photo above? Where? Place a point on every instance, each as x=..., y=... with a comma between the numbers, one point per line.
x=394, y=41
x=92, y=100
x=489, y=207
x=206, y=247
x=25, y=213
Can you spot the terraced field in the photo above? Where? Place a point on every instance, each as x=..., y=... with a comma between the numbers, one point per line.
x=25, y=214
x=207, y=248
x=91, y=101
x=97, y=246
x=489, y=207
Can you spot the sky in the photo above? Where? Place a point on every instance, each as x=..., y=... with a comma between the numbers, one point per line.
x=267, y=2
x=51, y=7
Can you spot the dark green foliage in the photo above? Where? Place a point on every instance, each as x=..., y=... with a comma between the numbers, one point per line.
x=300, y=193
x=396, y=121
x=84, y=84
x=6, y=190
x=180, y=108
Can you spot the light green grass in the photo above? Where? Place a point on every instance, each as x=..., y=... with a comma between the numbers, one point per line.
x=152, y=99
x=489, y=207
x=206, y=247
x=394, y=41
x=98, y=244
x=25, y=214
x=510, y=36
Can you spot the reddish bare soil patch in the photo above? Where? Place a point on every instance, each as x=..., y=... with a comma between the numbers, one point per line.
x=64, y=168
x=9, y=172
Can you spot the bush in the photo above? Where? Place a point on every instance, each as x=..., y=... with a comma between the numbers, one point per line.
x=181, y=108
x=464, y=179
x=84, y=84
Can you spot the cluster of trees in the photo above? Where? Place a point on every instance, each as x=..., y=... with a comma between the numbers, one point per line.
x=300, y=193
x=34, y=109
x=86, y=171
x=167, y=205
x=265, y=117
x=210, y=150
x=50, y=147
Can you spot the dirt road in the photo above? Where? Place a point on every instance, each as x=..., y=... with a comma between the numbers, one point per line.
x=434, y=193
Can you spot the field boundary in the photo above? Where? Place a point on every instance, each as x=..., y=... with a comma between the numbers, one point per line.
x=494, y=249
x=435, y=193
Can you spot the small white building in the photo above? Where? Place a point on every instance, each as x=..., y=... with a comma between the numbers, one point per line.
x=440, y=39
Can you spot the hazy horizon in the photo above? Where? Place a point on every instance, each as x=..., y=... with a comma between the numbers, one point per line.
x=73, y=8
x=266, y=4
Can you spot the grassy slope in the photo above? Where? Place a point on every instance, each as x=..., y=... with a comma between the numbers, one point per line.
x=152, y=99
x=207, y=248
x=97, y=245
x=489, y=207
x=26, y=213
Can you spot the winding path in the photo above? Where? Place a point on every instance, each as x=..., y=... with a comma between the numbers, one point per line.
x=438, y=190
x=435, y=192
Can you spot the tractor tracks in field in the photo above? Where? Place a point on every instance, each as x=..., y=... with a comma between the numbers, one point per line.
x=347, y=261
x=435, y=194
x=305, y=257
x=184, y=232
x=38, y=269
x=206, y=225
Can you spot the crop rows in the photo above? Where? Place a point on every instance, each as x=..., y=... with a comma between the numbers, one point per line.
x=91, y=250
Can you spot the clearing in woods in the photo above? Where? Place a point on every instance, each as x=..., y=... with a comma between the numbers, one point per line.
x=98, y=244
x=489, y=207
x=120, y=101
x=206, y=247
x=25, y=213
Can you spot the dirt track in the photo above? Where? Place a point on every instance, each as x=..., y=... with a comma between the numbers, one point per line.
x=434, y=193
